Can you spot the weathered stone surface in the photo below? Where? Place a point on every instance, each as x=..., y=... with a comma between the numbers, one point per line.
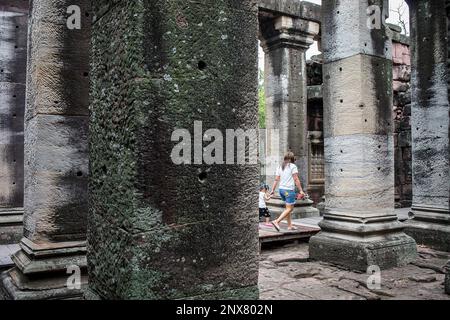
x=295, y=8
x=56, y=178
x=287, y=273
x=447, y=278
x=303, y=208
x=156, y=229
x=13, y=57
x=56, y=155
x=430, y=125
x=344, y=36
x=359, y=228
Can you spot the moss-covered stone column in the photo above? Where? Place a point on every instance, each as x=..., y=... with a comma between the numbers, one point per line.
x=430, y=125
x=13, y=61
x=56, y=153
x=360, y=228
x=158, y=230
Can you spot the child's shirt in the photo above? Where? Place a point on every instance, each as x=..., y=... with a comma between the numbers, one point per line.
x=262, y=200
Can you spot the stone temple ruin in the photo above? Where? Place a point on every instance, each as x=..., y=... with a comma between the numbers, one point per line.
x=87, y=115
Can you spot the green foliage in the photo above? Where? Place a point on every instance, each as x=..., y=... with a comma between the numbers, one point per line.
x=262, y=101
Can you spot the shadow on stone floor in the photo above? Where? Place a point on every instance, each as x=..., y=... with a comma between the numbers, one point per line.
x=287, y=274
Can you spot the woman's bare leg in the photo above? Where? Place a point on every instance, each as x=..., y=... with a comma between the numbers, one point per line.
x=285, y=214
x=289, y=220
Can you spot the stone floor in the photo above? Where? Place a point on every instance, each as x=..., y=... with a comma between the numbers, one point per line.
x=286, y=274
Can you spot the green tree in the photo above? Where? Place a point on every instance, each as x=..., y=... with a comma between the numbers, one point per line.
x=262, y=101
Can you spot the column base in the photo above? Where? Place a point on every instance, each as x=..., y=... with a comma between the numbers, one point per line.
x=430, y=227
x=303, y=208
x=42, y=272
x=359, y=255
x=358, y=243
x=11, y=225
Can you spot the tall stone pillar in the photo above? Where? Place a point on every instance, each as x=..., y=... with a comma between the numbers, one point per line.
x=13, y=61
x=430, y=125
x=285, y=40
x=159, y=229
x=360, y=228
x=447, y=5
x=56, y=155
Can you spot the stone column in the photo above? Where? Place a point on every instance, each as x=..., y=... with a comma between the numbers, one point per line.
x=430, y=125
x=13, y=61
x=447, y=5
x=56, y=155
x=285, y=41
x=159, y=230
x=360, y=228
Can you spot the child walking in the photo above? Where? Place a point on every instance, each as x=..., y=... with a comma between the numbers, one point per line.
x=263, y=210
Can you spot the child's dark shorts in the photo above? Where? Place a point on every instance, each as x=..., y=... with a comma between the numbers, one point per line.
x=264, y=213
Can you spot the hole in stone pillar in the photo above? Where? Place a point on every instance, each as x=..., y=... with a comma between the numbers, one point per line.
x=17, y=27
x=15, y=47
x=342, y=101
x=202, y=177
x=365, y=120
x=342, y=170
x=202, y=65
x=14, y=96
x=379, y=147
x=86, y=74
x=87, y=14
x=14, y=115
x=55, y=102
x=338, y=12
x=14, y=161
x=379, y=169
x=340, y=69
x=1, y=70
x=365, y=44
x=14, y=183
x=342, y=151
x=79, y=174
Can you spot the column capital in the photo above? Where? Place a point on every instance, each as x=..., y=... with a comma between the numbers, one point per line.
x=286, y=31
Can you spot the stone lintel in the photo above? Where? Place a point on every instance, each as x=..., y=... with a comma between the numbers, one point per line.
x=295, y=8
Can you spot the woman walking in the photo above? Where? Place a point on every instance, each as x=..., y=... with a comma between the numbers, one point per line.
x=287, y=177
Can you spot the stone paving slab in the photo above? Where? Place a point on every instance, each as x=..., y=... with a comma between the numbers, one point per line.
x=287, y=273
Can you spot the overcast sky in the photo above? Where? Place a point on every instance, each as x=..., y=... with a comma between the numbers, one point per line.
x=393, y=18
